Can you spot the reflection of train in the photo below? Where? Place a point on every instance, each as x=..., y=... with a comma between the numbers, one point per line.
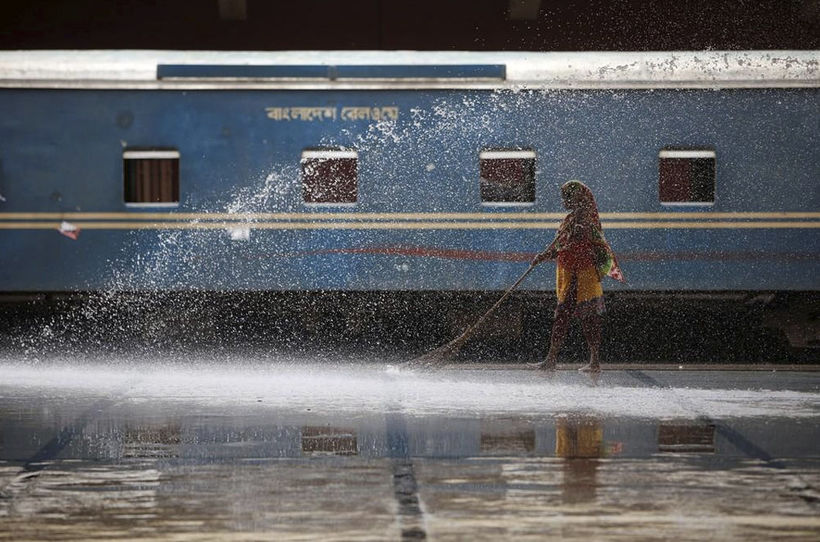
x=569, y=436
x=374, y=171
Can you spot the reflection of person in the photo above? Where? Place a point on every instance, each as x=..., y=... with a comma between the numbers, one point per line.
x=579, y=438
x=584, y=258
x=580, y=441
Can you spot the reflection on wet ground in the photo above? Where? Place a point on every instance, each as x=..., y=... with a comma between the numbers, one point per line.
x=376, y=453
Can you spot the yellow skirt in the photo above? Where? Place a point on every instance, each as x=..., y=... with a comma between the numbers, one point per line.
x=588, y=285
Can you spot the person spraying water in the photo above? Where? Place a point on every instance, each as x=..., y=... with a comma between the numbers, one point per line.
x=583, y=258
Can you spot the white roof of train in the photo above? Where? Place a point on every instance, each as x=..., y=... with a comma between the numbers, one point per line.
x=684, y=69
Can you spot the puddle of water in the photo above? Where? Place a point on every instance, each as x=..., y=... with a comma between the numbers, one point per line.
x=293, y=452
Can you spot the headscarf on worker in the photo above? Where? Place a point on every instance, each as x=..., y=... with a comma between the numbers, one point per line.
x=580, y=241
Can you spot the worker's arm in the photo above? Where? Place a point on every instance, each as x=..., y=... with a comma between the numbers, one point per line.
x=549, y=253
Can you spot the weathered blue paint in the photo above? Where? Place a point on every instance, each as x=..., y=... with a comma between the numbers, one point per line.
x=61, y=151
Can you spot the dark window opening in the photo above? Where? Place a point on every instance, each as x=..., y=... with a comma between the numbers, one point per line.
x=151, y=177
x=686, y=176
x=330, y=176
x=507, y=176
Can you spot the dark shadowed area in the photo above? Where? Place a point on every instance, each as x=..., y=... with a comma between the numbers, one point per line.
x=505, y=25
x=640, y=327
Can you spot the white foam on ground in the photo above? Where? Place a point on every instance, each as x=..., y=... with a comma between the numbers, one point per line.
x=380, y=388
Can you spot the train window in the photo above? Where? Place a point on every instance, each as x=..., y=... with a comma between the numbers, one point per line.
x=151, y=177
x=330, y=176
x=686, y=176
x=507, y=177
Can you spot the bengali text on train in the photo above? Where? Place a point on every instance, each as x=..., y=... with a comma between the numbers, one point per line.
x=347, y=113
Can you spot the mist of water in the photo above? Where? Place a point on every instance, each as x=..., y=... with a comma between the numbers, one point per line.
x=292, y=385
x=136, y=307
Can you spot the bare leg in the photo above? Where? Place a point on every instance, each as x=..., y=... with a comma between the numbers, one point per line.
x=559, y=332
x=560, y=326
x=591, y=324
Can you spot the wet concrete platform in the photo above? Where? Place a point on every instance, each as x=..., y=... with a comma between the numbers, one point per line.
x=296, y=451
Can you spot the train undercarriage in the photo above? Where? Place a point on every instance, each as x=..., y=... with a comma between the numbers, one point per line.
x=675, y=327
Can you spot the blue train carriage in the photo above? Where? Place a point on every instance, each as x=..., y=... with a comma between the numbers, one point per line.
x=403, y=171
